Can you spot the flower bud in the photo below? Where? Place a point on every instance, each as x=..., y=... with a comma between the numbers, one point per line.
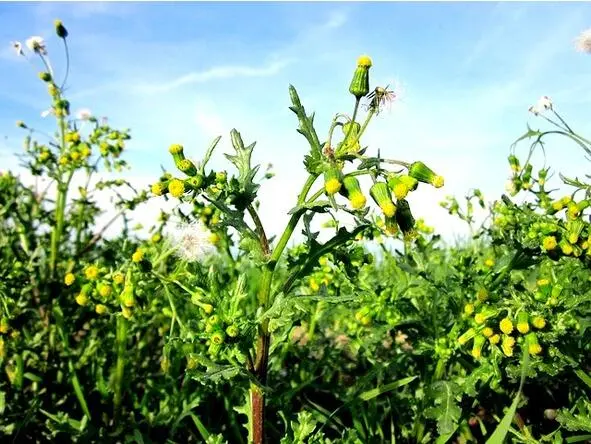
x=398, y=187
x=332, y=180
x=45, y=76
x=381, y=195
x=177, y=152
x=533, y=346
x=187, y=167
x=351, y=131
x=423, y=173
x=522, y=322
x=477, y=346
x=354, y=193
x=360, y=84
x=160, y=188
x=464, y=338
x=539, y=322
x=506, y=326
x=404, y=217
x=176, y=187
x=507, y=345
x=60, y=29
x=100, y=309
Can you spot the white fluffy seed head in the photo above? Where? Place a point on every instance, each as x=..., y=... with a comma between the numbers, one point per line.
x=193, y=242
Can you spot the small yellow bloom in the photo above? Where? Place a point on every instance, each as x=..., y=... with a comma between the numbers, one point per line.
x=126, y=312
x=388, y=208
x=176, y=187
x=214, y=238
x=438, y=181
x=534, y=349
x=480, y=318
x=100, y=309
x=469, y=309
x=495, y=339
x=549, y=243
x=138, y=255
x=156, y=238
x=332, y=186
x=489, y=262
x=118, y=278
x=538, y=322
x=357, y=200
x=364, y=61
x=91, y=272
x=543, y=282
x=523, y=327
x=105, y=290
x=207, y=308
x=82, y=299
x=4, y=326
x=314, y=285
x=158, y=189
x=488, y=332
x=506, y=326
x=165, y=364
x=69, y=279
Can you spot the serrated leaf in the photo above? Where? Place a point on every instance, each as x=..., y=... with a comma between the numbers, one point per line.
x=306, y=128
x=319, y=206
x=242, y=161
x=446, y=410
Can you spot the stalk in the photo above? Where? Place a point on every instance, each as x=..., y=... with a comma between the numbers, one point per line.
x=120, y=344
x=257, y=397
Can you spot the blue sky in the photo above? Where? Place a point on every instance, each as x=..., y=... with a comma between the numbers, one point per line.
x=187, y=72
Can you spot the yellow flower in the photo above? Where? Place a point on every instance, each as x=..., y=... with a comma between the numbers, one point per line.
x=488, y=332
x=156, y=238
x=100, y=309
x=332, y=186
x=489, y=262
x=91, y=272
x=506, y=326
x=158, y=189
x=549, y=243
x=138, y=255
x=364, y=61
x=105, y=290
x=176, y=187
x=118, y=278
x=314, y=285
x=4, y=326
x=538, y=322
x=214, y=238
x=69, y=279
x=82, y=299
x=495, y=339
x=207, y=308
x=357, y=200
x=388, y=208
x=469, y=309
x=126, y=312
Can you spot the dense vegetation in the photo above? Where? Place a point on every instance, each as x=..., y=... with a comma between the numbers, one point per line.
x=209, y=331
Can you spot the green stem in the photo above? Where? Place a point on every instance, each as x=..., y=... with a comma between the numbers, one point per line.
x=257, y=397
x=121, y=346
x=357, y=101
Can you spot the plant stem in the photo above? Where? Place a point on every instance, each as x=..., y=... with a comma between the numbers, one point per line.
x=120, y=344
x=257, y=397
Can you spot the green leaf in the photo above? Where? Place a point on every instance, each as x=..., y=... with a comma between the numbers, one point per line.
x=373, y=393
x=208, y=154
x=313, y=161
x=446, y=410
x=246, y=173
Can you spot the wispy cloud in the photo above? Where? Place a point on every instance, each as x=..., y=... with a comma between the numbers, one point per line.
x=216, y=73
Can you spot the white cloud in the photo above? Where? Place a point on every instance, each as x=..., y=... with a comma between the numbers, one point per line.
x=216, y=73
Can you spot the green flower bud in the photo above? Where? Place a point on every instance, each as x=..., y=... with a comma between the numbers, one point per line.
x=423, y=173
x=195, y=182
x=410, y=182
x=360, y=84
x=187, y=167
x=477, y=346
x=353, y=192
x=351, y=131
x=381, y=195
x=574, y=229
x=404, y=217
x=522, y=322
x=533, y=346
x=332, y=180
x=45, y=76
x=160, y=188
x=469, y=334
x=232, y=331
x=218, y=337
x=60, y=29
x=177, y=152
x=398, y=187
